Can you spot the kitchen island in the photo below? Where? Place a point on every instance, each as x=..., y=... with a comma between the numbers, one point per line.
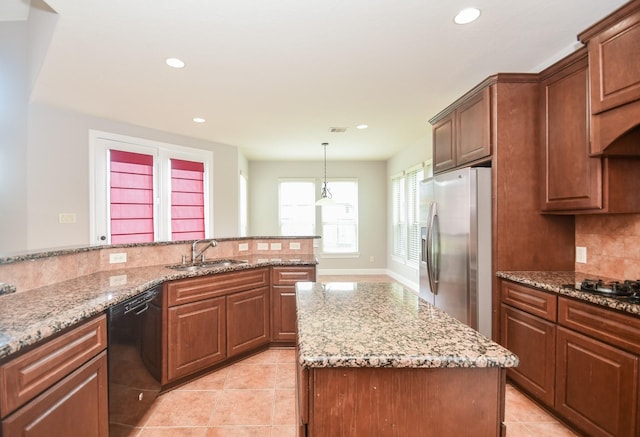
x=375, y=360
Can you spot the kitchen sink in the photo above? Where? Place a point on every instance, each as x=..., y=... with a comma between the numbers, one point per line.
x=212, y=264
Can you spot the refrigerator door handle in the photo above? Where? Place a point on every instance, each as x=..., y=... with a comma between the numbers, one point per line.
x=432, y=264
x=435, y=250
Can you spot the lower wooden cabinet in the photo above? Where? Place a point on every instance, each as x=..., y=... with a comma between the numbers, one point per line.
x=248, y=321
x=75, y=406
x=283, y=300
x=195, y=336
x=533, y=340
x=596, y=385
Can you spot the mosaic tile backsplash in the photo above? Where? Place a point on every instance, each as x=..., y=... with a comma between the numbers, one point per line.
x=613, y=245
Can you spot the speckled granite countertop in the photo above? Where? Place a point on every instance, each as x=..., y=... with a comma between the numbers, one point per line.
x=30, y=316
x=349, y=324
x=557, y=282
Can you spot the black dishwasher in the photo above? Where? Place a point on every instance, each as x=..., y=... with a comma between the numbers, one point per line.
x=134, y=342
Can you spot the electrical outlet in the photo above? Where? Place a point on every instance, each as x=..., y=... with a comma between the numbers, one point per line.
x=115, y=258
x=67, y=217
x=371, y=259
x=276, y=246
x=263, y=246
x=243, y=247
x=581, y=254
x=294, y=245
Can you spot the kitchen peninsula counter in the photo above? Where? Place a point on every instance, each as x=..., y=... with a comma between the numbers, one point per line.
x=374, y=359
x=30, y=316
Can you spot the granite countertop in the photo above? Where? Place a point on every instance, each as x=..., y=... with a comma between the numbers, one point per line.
x=349, y=324
x=559, y=282
x=30, y=316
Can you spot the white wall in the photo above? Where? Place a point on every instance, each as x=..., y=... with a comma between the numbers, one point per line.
x=371, y=175
x=13, y=132
x=58, y=161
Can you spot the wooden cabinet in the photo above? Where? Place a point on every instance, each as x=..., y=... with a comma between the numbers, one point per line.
x=530, y=333
x=462, y=132
x=614, y=60
x=59, y=388
x=248, y=321
x=596, y=385
x=283, y=303
x=212, y=318
x=509, y=136
x=577, y=358
x=571, y=179
x=196, y=337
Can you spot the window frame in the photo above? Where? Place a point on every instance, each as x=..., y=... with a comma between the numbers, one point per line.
x=312, y=181
x=99, y=145
x=342, y=254
x=406, y=215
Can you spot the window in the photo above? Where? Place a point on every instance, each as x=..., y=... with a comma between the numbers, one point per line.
x=406, y=219
x=340, y=220
x=131, y=197
x=146, y=191
x=187, y=200
x=244, y=221
x=296, y=207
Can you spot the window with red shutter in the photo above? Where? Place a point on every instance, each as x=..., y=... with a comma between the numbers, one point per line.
x=187, y=200
x=131, y=197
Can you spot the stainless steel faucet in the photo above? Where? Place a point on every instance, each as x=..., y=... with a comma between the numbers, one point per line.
x=195, y=254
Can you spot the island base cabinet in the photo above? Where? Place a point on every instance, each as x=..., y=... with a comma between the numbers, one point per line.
x=596, y=385
x=438, y=402
x=75, y=406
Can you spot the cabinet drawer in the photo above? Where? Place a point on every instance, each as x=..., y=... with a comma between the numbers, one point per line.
x=195, y=289
x=609, y=326
x=291, y=275
x=27, y=376
x=530, y=300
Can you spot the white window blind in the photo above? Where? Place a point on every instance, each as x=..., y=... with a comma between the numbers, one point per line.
x=296, y=206
x=406, y=219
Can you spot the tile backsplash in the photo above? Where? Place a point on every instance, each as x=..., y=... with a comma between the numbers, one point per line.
x=613, y=245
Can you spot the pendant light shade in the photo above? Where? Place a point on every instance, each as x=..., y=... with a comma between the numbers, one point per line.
x=325, y=194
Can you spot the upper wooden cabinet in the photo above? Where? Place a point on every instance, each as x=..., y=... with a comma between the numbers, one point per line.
x=572, y=180
x=614, y=60
x=462, y=132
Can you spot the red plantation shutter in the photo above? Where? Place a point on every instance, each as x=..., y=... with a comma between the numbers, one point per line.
x=131, y=197
x=187, y=200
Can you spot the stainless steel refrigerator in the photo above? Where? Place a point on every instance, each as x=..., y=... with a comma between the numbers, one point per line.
x=455, y=228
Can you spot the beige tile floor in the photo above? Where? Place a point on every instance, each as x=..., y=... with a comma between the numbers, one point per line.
x=256, y=398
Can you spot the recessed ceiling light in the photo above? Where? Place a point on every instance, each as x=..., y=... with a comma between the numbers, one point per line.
x=362, y=126
x=199, y=120
x=467, y=15
x=174, y=62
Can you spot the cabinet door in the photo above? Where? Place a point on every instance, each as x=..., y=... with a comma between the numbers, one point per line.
x=473, y=128
x=615, y=59
x=284, y=313
x=283, y=316
x=75, y=406
x=571, y=179
x=596, y=385
x=533, y=340
x=196, y=336
x=248, y=320
x=443, y=145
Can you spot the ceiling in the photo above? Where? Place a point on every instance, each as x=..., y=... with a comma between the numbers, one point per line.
x=272, y=77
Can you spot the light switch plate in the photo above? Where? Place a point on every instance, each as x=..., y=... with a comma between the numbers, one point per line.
x=243, y=246
x=581, y=254
x=263, y=246
x=67, y=217
x=294, y=245
x=276, y=246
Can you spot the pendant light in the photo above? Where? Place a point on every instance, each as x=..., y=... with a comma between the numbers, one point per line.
x=325, y=194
